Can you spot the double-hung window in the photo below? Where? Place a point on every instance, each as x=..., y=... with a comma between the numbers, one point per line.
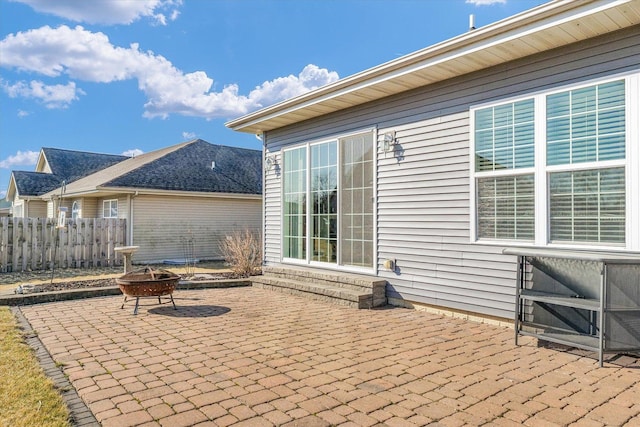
x=327, y=211
x=110, y=208
x=559, y=167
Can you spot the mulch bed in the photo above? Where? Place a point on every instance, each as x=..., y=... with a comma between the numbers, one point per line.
x=97, y=283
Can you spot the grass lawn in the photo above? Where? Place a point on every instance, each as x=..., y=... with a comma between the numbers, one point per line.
x=27, y=395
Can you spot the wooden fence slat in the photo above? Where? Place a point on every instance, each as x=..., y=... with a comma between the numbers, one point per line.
x=37, y=244
x=4, y=244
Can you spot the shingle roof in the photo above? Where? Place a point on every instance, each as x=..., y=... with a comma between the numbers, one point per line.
x=237, y=170
x=71, y=165
x=66, y=165
x=35, y=183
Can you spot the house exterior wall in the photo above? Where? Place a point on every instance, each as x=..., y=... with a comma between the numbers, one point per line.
x=422, y=196
x=36, y=209
x=89, y=208
x=162, y=226
x=53, y=205
x=22, y=208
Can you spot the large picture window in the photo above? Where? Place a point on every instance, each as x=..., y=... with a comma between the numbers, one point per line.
x=328, y=201
x=554, y=167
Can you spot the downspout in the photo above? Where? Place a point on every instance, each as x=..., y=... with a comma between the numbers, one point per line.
x=263, y=137
x=130, y=229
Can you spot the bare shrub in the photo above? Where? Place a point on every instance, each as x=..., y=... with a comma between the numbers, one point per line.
x=242, y=250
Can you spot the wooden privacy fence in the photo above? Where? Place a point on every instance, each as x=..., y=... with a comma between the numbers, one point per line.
x=36, y=243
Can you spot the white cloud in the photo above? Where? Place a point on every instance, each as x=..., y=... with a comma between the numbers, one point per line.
x=83, y=55
x=486, y=2
x=107, y=11
x=53, y=96
x=188, y=135
x=132, y=153
x=21, y=158
x=22, y=113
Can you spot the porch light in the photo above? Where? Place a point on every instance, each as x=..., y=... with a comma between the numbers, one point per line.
x=388, y=141
x=270, y=163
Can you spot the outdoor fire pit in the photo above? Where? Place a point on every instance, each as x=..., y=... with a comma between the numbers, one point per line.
x=148, y=282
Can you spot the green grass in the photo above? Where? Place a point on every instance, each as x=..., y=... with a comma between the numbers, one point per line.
x=27, y=396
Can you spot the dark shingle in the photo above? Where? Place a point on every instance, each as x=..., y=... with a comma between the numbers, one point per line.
x=66, y=165
x=35, y=183
x=237, y=170
x=72, y=165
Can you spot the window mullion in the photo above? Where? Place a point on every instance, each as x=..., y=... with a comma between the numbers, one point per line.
x=309, y=202
x=540, y=175
x=633, y=160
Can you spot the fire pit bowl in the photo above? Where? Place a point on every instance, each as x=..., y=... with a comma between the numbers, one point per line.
x=148, y=282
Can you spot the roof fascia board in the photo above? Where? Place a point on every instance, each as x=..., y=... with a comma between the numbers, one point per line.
x=151, y=192
x=532, y=21
x=12, y=189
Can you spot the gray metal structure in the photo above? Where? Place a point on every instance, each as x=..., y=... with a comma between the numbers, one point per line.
x=587, y=300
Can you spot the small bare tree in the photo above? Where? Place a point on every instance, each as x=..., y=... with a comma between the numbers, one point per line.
x=242, y=250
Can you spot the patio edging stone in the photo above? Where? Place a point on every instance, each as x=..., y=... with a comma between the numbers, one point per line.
x=72, y=294
x=79, y=413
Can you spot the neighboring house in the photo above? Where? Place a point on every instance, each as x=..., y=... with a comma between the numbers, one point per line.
x=177, y=201
x=525, y=132
x=5, y=208
x=53, y=168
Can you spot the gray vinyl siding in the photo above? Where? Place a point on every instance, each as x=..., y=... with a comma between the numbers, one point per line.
x=423, y=207
x=272, y=203
x=162, y=225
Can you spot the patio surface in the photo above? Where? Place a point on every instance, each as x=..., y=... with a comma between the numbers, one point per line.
x=252, y=357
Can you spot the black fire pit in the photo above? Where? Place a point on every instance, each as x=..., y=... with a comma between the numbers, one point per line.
x=148, y=282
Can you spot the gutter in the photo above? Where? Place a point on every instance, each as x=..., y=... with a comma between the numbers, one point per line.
x=525, y=23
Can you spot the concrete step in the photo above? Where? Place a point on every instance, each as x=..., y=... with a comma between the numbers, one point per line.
x=358, y=291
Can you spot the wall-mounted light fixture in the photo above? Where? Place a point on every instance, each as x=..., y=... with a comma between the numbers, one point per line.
x=270, y=163
x=388, y=141
x=390, y=264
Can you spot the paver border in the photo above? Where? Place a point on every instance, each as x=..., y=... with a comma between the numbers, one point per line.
x=71, y=294
x=79, y=413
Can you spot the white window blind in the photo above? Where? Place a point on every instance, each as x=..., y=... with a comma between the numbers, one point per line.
x=586, y=125
x=560, y=167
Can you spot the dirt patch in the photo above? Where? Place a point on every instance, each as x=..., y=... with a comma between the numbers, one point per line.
x=75, y=278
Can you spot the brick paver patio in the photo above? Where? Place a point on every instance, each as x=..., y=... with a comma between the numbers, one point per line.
x=251, y=357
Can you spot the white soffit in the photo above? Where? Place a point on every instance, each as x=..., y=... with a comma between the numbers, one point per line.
x=551, y=25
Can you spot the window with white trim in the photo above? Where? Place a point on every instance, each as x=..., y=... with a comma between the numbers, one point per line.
x=556, y=167
x=327, y=210
x=75, y=210
x=110, y=208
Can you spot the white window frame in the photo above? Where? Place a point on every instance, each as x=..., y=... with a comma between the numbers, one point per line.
x=110, y=202
x=541, y=171
x=75, y=209
x=308, y=260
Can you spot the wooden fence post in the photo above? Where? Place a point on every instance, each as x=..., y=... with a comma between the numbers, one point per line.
x=5, y=246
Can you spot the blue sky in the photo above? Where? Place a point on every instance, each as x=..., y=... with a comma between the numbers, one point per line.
x=131, y=76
